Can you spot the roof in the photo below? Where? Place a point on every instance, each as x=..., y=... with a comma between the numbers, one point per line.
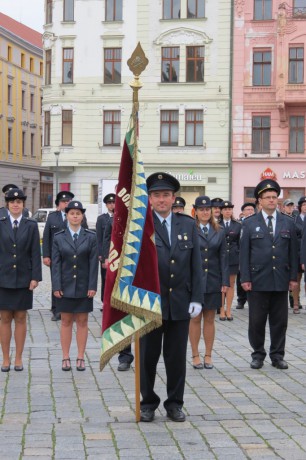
x=20, y=30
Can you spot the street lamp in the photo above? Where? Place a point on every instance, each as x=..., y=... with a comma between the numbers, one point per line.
x=56, y=171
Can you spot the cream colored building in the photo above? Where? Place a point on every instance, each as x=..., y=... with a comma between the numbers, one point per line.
x=184, y=102
x=21, y=69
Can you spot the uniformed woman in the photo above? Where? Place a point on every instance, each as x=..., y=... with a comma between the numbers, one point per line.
x=20, y=272
x=215, y=279
x=74, y=280
x=232, y=233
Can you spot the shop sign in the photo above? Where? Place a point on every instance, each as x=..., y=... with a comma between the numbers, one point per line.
x=188, y=176
x=268, y=174
x=294, y=175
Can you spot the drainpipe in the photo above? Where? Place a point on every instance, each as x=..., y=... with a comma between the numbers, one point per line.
x=230, y=122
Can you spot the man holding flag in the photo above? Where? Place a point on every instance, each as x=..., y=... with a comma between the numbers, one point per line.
x=179, y=268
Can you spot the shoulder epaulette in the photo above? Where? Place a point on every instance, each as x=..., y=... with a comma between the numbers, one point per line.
x=251, y=215
x=181, y=214
x=89, y=231
x=3, y=218
x=52, y=212
x=61, y=231
x=31, y=219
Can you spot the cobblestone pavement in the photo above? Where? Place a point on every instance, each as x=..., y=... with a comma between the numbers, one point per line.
x=232, y=411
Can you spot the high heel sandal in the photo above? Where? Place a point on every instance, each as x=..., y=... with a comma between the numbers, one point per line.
x=66, y=364
x=80, y=364
x=208, y=365
x=197, y=366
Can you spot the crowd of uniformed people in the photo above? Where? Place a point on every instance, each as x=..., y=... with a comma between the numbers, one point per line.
x=201, y=258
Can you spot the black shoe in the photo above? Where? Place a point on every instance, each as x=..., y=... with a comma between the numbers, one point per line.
x=124, y=366
x=18, y=368
x=239, y=306
x=147, y=415
x=280, y=364
x=256, y=364
x=176, y=414
x=6, y=368
x=56, y=317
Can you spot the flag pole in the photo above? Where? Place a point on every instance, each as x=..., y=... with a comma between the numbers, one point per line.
x=137, y=63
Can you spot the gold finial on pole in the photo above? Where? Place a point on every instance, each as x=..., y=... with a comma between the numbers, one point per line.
x=137, y=64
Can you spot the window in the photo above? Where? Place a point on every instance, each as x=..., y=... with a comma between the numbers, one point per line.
x=296, y=65
x=22, y=60
x=67, y=127
x=9, y=53
x=24, y=143
x=195, y=64
x=112, y=65
x=169, y=127
x=67, y=65
x=41, y=104
x=32, y=65
x=48, y=67
x=299, y=8
x=196, y=9
x=23, y=99
x=41, y=68
x=112, y=125
x=9, y=94
x=94, y=194
x=47, y=129
x=113, y=10
x=171, y=9
x=9, y=140
x=261, y=134
x=262, y=9
x=48, y=11
x=33, y=145
x=262, y=68
x=297, y=134
x=68, y=10
x=194, y=127
x=32, y=102
x=170, y=65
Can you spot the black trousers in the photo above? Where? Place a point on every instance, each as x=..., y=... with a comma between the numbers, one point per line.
x=274, y=307
x=53, y=298
x=103, y=278
x=241, y=293
x=173, y=337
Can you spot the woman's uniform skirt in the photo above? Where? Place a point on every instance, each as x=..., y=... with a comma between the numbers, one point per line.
x=212, y=301
x=72, y=305
x=16, y=299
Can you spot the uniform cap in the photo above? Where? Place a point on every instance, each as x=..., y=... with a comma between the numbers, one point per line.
x=63, y=196
x=109, y=198
x=8, y=187
x=74, y=205
x=202, y=202
x=266, y=185
x=226, y=204
x=162, y=181
x=179, y=202
x=14, y=194
x=216, y=202
x=248, y=203
x=302, y=200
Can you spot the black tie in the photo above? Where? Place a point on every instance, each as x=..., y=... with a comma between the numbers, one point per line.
x=205, y=230
x=165, y=231
x=75, y=237
x=15, y=227
x=270, y=226
x=227, y=224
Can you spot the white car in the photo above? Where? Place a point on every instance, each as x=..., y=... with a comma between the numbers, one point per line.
x=41, y=215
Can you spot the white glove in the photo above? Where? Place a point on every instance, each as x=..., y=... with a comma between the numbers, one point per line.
x=195, y=309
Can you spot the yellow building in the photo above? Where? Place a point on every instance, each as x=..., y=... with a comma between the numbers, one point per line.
x=21, y=71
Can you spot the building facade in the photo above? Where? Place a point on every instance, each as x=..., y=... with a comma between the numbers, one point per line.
x=21, y=76
x=184, y=103
x=269, y=97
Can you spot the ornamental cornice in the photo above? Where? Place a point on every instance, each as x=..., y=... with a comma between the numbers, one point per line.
x=182, y=36
x=48, y=38
x=239, y=5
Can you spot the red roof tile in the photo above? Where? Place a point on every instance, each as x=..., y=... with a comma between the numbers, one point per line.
x=22, y=31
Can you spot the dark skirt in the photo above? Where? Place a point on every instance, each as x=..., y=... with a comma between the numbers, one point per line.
x=69, y=305
x=233, y=269
x=16, y=299
x=212, y=301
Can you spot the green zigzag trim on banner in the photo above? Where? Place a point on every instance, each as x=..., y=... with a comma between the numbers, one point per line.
x=143, y=307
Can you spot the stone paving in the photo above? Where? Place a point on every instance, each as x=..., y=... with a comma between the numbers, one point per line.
x=233, y=412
